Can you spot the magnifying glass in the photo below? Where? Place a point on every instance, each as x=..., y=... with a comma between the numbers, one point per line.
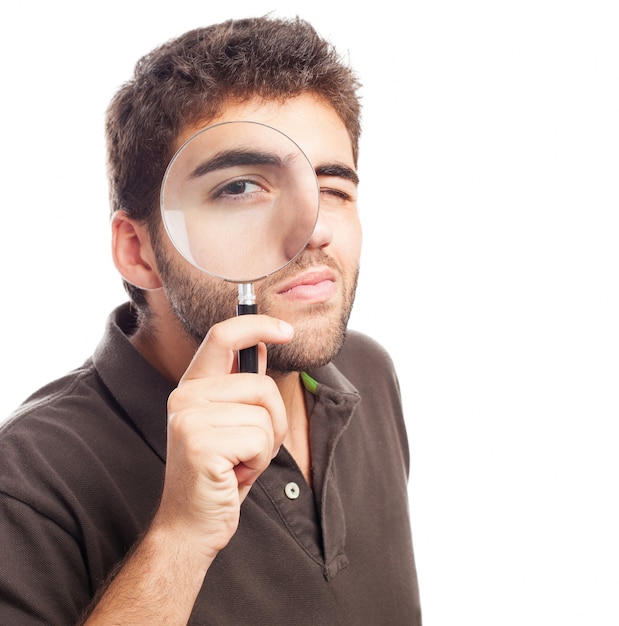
x=239, y=201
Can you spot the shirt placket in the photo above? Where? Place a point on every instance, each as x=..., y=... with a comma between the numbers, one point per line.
x=315, y=517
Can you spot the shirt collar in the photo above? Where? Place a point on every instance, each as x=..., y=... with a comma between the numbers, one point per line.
x=137, y=386
x=143, y=392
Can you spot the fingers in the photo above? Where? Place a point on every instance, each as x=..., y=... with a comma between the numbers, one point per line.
x=216, y=355
x=229, y=402
x=219, y=455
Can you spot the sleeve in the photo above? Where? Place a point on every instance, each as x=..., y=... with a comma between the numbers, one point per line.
x=42, y=571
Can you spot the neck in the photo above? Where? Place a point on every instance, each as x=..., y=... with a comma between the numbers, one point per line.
x=297, y=438
x=169, y=353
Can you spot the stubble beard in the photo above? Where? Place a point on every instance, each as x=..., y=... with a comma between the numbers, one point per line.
x=319, y=331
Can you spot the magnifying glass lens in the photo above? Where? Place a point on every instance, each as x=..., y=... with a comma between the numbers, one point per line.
x=240, y=200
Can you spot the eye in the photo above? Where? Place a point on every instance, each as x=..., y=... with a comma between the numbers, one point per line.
x=335, y=194
x=338, y=187
x=340, y=196
x=238, y=188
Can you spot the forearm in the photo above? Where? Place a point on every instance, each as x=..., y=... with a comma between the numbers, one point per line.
x=157, y=584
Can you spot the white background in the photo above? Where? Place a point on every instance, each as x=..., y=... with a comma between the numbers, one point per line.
x=489, y=197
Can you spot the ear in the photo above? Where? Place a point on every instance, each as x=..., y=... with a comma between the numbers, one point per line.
x=132, y=252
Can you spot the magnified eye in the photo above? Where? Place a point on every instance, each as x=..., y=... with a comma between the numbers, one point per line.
x=239, y=187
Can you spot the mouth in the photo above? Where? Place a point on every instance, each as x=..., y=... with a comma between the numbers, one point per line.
x=314, y=285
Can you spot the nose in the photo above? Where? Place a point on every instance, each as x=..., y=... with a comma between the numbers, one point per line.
x=322, y=235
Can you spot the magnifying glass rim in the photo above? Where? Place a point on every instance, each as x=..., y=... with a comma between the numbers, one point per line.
x=163, y=209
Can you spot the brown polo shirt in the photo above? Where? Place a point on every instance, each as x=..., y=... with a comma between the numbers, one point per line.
x=82, y=470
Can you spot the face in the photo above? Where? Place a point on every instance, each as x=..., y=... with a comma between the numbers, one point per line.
x=315, y=291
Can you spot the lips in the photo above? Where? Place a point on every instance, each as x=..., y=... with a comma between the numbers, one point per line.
x=315, y=284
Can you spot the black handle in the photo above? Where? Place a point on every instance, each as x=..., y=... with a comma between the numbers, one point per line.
x=248, y=357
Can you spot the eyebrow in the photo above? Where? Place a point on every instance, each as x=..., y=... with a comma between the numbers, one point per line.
x=338, y=170
x=232, y=158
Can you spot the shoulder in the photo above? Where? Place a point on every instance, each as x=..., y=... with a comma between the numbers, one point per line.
x=368, y=366
x=358, y=343
x=63, y=427
x=363, y=358
x=59, y=403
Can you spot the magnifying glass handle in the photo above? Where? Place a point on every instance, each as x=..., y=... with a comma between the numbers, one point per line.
x=248, y=357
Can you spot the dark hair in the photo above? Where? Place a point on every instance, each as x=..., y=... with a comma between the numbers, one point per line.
x=191, y=78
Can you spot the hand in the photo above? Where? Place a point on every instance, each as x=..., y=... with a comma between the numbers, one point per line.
x=224, y=428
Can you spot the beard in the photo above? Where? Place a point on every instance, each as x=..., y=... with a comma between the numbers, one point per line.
x=199, y=301
x=320, y=329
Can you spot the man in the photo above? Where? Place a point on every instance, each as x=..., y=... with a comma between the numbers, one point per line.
x=159, y=485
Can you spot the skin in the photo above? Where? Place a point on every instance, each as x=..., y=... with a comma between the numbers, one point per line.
x=225, y=427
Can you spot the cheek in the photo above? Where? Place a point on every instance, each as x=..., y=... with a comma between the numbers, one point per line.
x=349, y=237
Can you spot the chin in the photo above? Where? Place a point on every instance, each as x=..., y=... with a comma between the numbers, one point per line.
x=317, y=340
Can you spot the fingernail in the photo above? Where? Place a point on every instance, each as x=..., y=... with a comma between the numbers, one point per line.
x=286, y=328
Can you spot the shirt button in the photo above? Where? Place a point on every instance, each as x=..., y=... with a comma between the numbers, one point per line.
x=292, y=491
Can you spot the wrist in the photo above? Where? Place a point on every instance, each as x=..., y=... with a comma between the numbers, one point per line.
x=182, y=542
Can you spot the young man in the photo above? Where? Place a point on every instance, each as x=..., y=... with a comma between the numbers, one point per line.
x=157, y=484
